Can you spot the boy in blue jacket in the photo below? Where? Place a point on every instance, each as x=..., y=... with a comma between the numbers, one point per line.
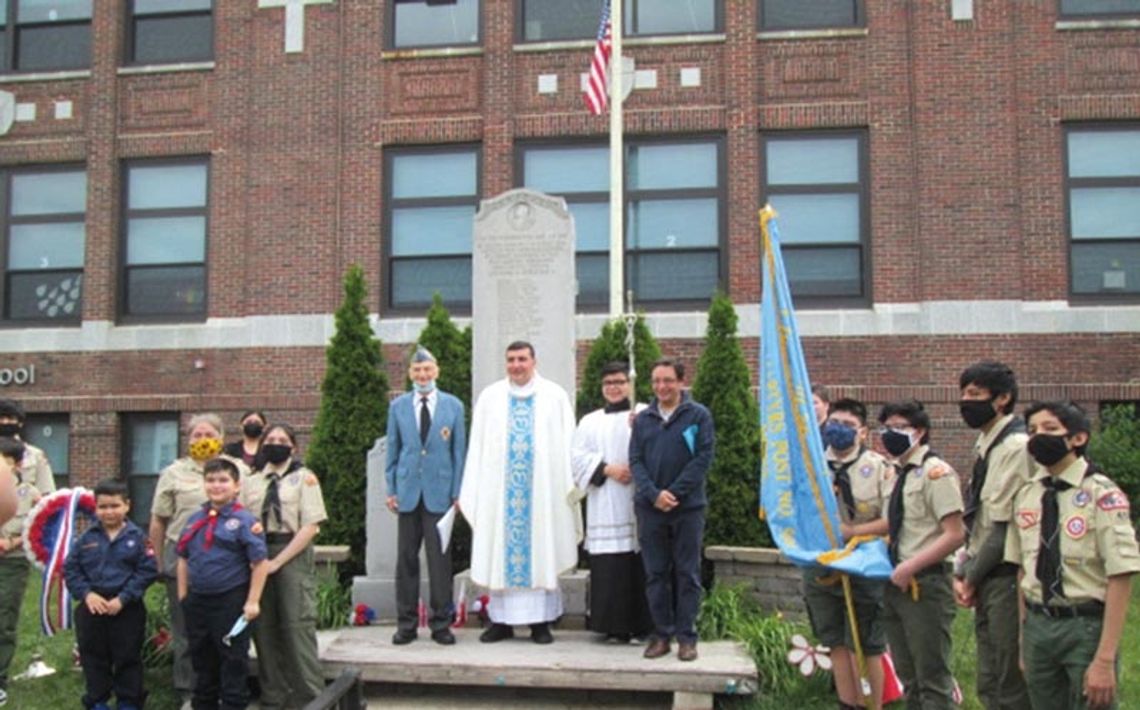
x=108, y=571
x=670, y=451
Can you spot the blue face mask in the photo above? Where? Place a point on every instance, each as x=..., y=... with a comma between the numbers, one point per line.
x=424, y=388
x=839, y=437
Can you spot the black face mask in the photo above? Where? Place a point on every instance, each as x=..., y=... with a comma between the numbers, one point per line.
x=977, y=412
x=1048, y=449
x=276, y=453
x=896, y=443
x=11, y=430
x=252, y=430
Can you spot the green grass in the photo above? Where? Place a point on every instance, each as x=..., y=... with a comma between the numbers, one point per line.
x=815, y=693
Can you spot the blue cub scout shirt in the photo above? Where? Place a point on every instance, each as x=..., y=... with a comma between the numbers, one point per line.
x=123, y=567
x=225, y=565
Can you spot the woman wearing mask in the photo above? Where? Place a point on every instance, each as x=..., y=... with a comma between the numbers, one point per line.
x=179, y=493
x=252, y=426
x=286, y=497
x=925, y=520
x=1076, y=547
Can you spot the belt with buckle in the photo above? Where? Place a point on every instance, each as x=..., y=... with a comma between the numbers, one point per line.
x=1068, y=611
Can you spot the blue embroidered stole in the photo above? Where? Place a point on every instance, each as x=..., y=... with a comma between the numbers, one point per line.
x=518, y=489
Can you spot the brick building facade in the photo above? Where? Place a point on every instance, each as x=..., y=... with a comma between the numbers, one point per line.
x=186, y=182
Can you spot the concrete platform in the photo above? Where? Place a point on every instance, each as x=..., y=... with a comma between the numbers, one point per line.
x=577, y=660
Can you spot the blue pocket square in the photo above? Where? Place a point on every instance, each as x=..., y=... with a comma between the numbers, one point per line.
x=690, y=435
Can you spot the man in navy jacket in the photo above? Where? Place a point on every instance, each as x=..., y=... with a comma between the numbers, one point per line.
x=670, y=451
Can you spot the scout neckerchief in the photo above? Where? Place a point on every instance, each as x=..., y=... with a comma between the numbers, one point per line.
x=208, y=521
x=981, y=467
x=1049, y=553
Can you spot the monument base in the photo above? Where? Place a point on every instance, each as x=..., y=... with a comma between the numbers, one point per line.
x=575, y=586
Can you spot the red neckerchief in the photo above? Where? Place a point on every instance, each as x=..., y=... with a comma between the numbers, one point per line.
x=209, y=521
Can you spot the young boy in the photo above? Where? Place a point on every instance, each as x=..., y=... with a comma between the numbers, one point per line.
x=108, y=571
x=13, y=563
x=221, y=573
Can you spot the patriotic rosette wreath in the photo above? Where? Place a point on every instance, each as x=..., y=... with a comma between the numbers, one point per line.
x=49, y=531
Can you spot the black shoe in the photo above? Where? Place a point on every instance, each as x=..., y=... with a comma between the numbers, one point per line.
x=402, y=637
x=540, y=633
x=497, y=632
x=443, y=637
x=619, y=638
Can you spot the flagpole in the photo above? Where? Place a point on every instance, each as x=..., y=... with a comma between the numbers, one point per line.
x=617, y=171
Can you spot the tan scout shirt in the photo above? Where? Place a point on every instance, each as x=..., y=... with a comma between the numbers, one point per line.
x=181, y=491
x=930, y=493
x=301, y=500
x=872, y=478
x=37, y=469
x=27, y=495
x=1009, y=470
x=1097, y=538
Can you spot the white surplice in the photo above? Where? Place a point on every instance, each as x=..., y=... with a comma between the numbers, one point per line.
x=610, y=523
x=523, y=536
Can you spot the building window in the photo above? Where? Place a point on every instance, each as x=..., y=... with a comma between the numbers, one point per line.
x=1099, y=8
x=168, y=31
x=44, y=238
x=430, y=199
x=800, y=15
x=1103, y=191
x=150, y=444
x=45, y=35
x=674, y=215
x=50, y=432
x=549, y=20
x=165, y=228
x=433, y=23
x=818, y=185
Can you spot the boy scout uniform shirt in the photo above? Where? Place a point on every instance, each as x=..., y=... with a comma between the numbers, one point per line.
x=237, y=543
x=27, y=495
x=122, y=567
x=181, y=491
x=301, y=500
x=1097, y=538
x=36, y=468
x=872, y=478
x=930, y=493
x=1009, y=469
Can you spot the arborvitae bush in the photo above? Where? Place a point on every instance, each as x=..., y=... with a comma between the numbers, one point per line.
x=452, y=349
x=353, y=414
x=1116, y=449
x=724, y=385
x=609, y=346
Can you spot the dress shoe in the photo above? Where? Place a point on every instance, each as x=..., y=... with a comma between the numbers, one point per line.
x=540, y=633
x=443, y=637
x=657, y=648
x=687, y=651
x=496, y=632
x=403, y=637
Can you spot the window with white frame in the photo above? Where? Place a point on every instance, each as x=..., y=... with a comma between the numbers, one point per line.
x=816, y=14
x=45, y=238
x=165, y=232
x=1103, y=196
x=817, y=184
x=430, y=198
x=433, y=23
x=169, y=31
x=45, y=35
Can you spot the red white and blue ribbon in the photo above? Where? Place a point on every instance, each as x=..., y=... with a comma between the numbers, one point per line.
x=49, y=531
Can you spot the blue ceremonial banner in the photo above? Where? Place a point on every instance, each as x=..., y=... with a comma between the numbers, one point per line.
x=796, y=494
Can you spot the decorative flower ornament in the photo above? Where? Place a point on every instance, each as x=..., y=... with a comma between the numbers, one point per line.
x=363, y=615
x=808, y=657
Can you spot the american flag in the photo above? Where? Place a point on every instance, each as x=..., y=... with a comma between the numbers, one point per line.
x=597, y=93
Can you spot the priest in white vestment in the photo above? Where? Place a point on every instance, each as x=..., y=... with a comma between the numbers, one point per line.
x=518, y=495
x=618, y=606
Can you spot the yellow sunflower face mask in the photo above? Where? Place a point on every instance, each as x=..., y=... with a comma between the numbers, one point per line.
x=203, y=450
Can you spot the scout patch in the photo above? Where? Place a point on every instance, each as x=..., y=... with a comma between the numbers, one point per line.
x=22, y=492
x=130, y=543
x=1026, y=519
x=445, y=433
x=1081, y=498
x=310, y=479
x=233, y=524
x=1113, y=500
x=294, y=481
x=865, y=471
x=937, y=472
x=1076, y=527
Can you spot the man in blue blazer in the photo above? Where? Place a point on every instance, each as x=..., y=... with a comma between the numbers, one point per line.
x=426, y=450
